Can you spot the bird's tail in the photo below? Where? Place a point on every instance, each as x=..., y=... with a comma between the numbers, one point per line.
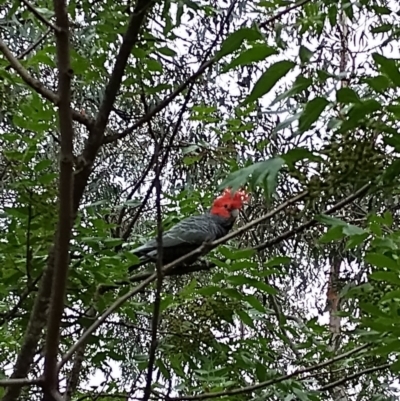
x=142, y=261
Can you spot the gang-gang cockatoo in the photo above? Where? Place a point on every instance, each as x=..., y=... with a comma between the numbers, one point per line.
x=191, y=232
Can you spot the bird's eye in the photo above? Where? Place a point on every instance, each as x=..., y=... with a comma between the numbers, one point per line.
x=226, y=206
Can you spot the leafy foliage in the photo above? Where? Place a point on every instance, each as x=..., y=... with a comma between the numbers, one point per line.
x=289, y=101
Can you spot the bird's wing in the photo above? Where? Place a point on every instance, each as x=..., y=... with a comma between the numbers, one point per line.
x=192, y=230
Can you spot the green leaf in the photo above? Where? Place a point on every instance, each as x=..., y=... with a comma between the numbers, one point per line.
x=255, y=303
x=351, y=230
x=286, y=123
x=258, y=172
x=47, y=178
x=332, y=15
x=379, y=83
x=329, y=220
x=245, y=318
x=388, y=66
x=379, y=260
x=235, y=40
x=392, y=171
x=269, y=78
x=305, y=54
x=382, y=28
x=296, y=154
x=356, y=240
x=347, y=96
x=392, y=295
x=300, y=84
x=258, y=52
x=237, y=254
x=43, y=164
x=210, y=290
x=167, y=51
x=113, y=242
x=333, y=234
x=310, y=115
x=278, y=261
x=389, y=277
x=242, y=265
x=153, y=65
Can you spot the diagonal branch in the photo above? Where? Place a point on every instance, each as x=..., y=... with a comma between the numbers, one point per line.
x=270, y=382
x=313, y=221
x=32, y=47
x=114, y=83
x=203, y=67
x=354, y=376
x=96, y=134
x=40, y=17
x=166, y=269
x=65, y=218
x=162, y=105
x=38, y=86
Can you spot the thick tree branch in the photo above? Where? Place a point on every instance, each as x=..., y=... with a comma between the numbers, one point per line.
x=96, y=134
x=135, y=24
x=20, y=382
x=33, y=331
x=65, y=200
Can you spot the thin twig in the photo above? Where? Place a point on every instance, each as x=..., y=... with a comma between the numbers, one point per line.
x=311, y=222
x=32, y=47
x=160, y=277
x=40, y=17
x=283, y=12
x=279, y=379
x=354, y=376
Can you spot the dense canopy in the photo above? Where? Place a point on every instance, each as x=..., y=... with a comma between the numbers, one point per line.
x=120, y=118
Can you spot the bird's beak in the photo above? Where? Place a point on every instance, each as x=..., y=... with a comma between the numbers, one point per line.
x=235, y=213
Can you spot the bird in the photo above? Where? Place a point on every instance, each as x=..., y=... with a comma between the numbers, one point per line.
x=191, y=232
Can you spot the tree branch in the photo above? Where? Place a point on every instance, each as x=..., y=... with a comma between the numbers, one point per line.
x=354, y=376
x=40, y=17
x=197, y=252
x=38, y=86
x=96, y=134
x=33, y=331
x=130, y=38
x=20, y=382
x=279, y=379
x=65, y=219
x=32, y=47
x=310, y=223
x=160, y=277
x=203, y=67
